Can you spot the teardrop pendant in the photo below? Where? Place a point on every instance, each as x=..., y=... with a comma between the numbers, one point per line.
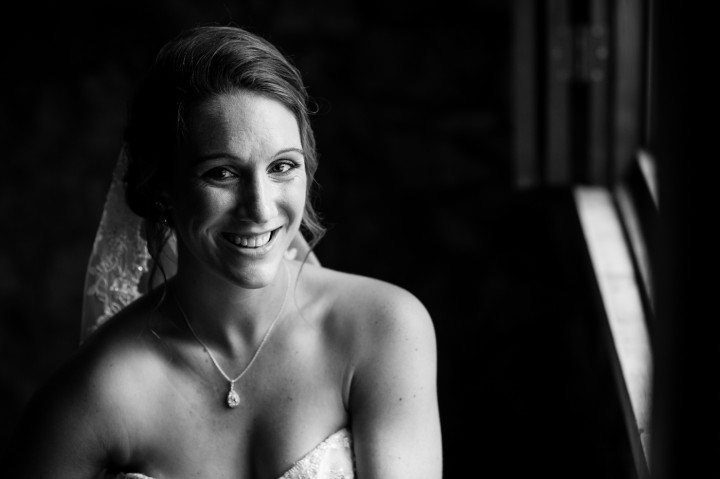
x=233, y=398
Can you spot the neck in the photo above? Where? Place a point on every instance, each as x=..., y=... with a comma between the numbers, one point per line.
x=228, y=317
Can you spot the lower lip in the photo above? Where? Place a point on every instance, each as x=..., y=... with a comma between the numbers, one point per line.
x=254, y=252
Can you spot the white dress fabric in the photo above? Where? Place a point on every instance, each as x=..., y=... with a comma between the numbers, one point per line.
x=331, y=459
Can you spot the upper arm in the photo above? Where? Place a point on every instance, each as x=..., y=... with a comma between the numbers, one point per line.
x=65, y=432
x=393, y=395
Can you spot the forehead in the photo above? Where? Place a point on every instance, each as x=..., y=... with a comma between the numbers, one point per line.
x=241, y=123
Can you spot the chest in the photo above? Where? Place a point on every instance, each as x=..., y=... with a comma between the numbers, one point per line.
x=289, y=401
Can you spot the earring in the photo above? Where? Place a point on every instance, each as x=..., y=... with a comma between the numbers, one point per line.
x=162, y=218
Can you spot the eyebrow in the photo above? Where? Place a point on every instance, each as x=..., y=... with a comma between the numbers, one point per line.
x=287, y=150
x=216, y=156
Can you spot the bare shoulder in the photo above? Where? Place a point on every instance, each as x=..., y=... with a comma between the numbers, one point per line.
x=79, y=419
x=123, y=363
x=374, y=313
x=389, y=339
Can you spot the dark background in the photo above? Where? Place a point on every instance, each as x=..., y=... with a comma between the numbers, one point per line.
x=414, y=134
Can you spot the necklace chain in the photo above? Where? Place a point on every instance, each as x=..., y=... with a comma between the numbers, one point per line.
x=233, y=399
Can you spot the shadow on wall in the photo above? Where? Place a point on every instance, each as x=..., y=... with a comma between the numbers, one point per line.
x=414, y=138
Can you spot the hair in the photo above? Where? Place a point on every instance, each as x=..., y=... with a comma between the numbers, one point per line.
x=199, y=64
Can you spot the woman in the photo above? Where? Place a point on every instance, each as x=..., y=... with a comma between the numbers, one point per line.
x=245, y=363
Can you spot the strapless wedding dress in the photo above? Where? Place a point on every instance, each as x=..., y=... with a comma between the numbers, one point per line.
x=331, y=459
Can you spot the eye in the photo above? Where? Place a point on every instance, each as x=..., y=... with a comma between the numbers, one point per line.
x=283, y=167
x=219, y=174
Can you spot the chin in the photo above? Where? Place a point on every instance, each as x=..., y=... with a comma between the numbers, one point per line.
x=251, y=272
x=255, y=276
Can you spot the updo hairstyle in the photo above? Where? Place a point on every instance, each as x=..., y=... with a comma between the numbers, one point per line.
x=199, y=64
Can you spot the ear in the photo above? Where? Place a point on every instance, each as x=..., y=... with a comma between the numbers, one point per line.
x=162, y=199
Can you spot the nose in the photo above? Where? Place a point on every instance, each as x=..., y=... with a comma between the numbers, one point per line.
x=256, y=201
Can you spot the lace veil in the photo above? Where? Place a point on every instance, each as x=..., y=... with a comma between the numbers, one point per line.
x=118, y=269
x=119, y=260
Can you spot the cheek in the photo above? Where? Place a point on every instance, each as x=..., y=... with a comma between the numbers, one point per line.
x=198, y=205
x=298, y=199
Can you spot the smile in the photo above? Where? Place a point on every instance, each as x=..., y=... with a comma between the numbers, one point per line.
x=252, y=241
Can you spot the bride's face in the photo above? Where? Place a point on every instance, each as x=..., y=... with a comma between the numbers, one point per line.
x=238, y=194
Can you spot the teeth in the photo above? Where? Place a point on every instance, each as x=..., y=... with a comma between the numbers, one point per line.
x=251, y=241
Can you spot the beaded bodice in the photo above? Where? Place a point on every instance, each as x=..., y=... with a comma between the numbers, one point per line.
x=331, y=459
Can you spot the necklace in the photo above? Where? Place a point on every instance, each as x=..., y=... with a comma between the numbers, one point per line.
x=233, y=398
